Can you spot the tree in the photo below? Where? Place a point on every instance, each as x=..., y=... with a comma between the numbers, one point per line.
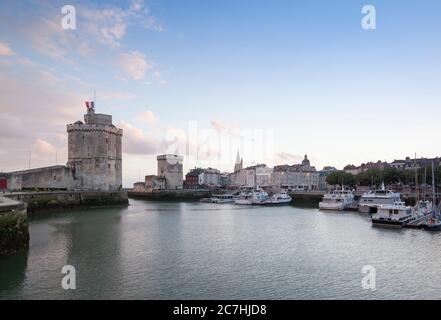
x=370, y=177
x=339, y=177
x=391, y=175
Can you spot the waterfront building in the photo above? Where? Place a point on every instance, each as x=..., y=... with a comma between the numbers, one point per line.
x=192, y=178
x=224, y=179
x=409, y=164
x=322, y=175
x=210, y=178
x=301, y=176
x=139, y=187
x=253, y=176
x=94, y=160
x=153, y=182
x=379, y=165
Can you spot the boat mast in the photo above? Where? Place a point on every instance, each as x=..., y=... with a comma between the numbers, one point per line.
x=425, y=182
x=417, y=191
x=433, y=189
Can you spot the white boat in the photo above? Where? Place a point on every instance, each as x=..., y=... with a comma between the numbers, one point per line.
x=256, y=196
x=223, y=198
x=394, y=215
x=337, y=200
x=370, y=201
x=278, y=199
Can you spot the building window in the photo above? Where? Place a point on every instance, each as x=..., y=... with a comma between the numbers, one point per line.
x=108, y=165
x=55, y=177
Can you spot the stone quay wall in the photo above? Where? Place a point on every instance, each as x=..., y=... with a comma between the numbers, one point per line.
x=60, y=200
x=172, y=195
x=14, y=232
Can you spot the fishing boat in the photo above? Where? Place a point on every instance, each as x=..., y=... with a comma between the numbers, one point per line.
x=279, y=199
x=337, y=200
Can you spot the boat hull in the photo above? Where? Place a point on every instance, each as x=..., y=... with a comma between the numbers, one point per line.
x=243, y=202
x=432, y=227
x=278, y=203
x=331, y=207
x=389, y=223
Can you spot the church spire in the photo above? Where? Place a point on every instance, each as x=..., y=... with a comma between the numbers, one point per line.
x=239, y=162
x=237, y=157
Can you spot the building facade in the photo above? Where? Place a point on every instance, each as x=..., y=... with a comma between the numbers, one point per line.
x=301, y=176
x=139, y=187
x=153, y=182
x=210, y=178
x=192, y=178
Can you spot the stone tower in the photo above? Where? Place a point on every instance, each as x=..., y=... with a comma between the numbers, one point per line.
x=170, y=167
x=94, y=153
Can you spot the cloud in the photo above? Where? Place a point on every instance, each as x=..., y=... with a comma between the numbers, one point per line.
x=135, y=141
x=225, y=128
x=43, y=147
x=287, y=158
x=136, y=5
x=34, y=113
x=147, y=117
x=5, y=50
x=135, y=64
x=99, y=36
x=116, y=95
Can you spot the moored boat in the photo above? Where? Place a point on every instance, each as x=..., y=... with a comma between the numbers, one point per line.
x=279, y=199
x=337, y=200
x=370, y=201
x=395, y=215
x=223, y=198
x=255, y=196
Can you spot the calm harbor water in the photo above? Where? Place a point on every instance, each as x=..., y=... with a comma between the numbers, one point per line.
x=159, y=250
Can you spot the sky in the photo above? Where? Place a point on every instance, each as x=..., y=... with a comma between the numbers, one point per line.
x=203, y=78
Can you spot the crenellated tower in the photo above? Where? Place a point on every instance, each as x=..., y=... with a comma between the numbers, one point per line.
x=95, y=152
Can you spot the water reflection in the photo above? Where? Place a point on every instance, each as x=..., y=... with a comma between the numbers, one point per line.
x=12, y=275
x=160, y=250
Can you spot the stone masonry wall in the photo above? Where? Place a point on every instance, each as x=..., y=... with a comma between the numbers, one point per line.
x=14, y=233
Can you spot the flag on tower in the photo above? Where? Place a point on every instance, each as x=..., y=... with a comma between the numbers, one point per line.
x=90, y=105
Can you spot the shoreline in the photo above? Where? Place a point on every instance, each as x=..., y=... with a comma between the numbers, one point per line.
x=49, y=201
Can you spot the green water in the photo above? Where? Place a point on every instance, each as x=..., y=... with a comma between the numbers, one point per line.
x=160, y=250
